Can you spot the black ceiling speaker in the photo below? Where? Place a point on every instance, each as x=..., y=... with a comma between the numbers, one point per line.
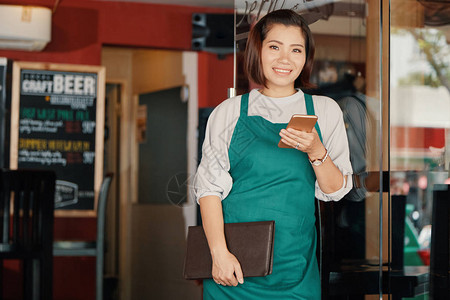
x=213, y=33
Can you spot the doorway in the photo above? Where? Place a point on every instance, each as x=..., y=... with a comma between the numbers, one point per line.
x=162, y=131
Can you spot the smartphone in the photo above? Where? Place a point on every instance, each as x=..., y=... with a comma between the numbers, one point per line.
x=300, y=122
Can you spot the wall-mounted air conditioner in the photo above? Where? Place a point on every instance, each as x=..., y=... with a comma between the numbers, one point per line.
x=24, y=27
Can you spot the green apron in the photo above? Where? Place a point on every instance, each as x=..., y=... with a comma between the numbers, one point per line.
x=272, y=183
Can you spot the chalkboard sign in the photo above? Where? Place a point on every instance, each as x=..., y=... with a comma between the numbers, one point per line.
x=57, y=124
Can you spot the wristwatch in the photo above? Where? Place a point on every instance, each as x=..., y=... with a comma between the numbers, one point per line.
x=318, y=162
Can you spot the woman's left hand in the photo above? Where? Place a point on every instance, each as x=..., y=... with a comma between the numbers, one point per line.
x=306, y=142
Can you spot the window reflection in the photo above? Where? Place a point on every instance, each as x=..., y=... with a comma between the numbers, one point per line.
x=419, y=118
x=347, y=68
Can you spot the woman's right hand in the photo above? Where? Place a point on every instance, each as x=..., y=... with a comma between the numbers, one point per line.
x=226, y=269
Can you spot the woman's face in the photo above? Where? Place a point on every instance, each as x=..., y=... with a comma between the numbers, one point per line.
x=283, y=56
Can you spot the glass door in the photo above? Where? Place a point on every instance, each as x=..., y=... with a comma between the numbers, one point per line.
x=420, y=146
x=348, y=68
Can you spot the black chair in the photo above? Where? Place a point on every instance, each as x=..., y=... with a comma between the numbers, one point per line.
x=28, y=197
x=440, y=243
x=340, y=275
x=91, y=248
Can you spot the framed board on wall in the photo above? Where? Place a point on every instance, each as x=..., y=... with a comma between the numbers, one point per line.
x=57, y=123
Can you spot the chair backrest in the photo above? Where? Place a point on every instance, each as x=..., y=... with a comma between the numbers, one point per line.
x=101, y=208
x=440, y=243
x=27, y=196
x=398, y=213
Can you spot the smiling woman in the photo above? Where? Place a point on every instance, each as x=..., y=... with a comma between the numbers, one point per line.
x=244, y=176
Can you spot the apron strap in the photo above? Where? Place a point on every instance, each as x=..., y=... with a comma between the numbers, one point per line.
x=244, y=105
x=310, y=111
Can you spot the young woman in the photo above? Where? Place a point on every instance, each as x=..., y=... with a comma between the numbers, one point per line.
x=244, y=176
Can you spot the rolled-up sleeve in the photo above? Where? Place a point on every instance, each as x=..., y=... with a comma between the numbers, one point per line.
x=335, y=141
x=213, y=177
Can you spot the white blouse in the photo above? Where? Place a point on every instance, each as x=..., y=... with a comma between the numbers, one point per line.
x=213, y=177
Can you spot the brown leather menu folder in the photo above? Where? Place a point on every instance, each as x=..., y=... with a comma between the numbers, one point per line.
x=250, y=242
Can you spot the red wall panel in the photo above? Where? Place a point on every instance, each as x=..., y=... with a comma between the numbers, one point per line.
x=215, y=76
x=79, y=28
